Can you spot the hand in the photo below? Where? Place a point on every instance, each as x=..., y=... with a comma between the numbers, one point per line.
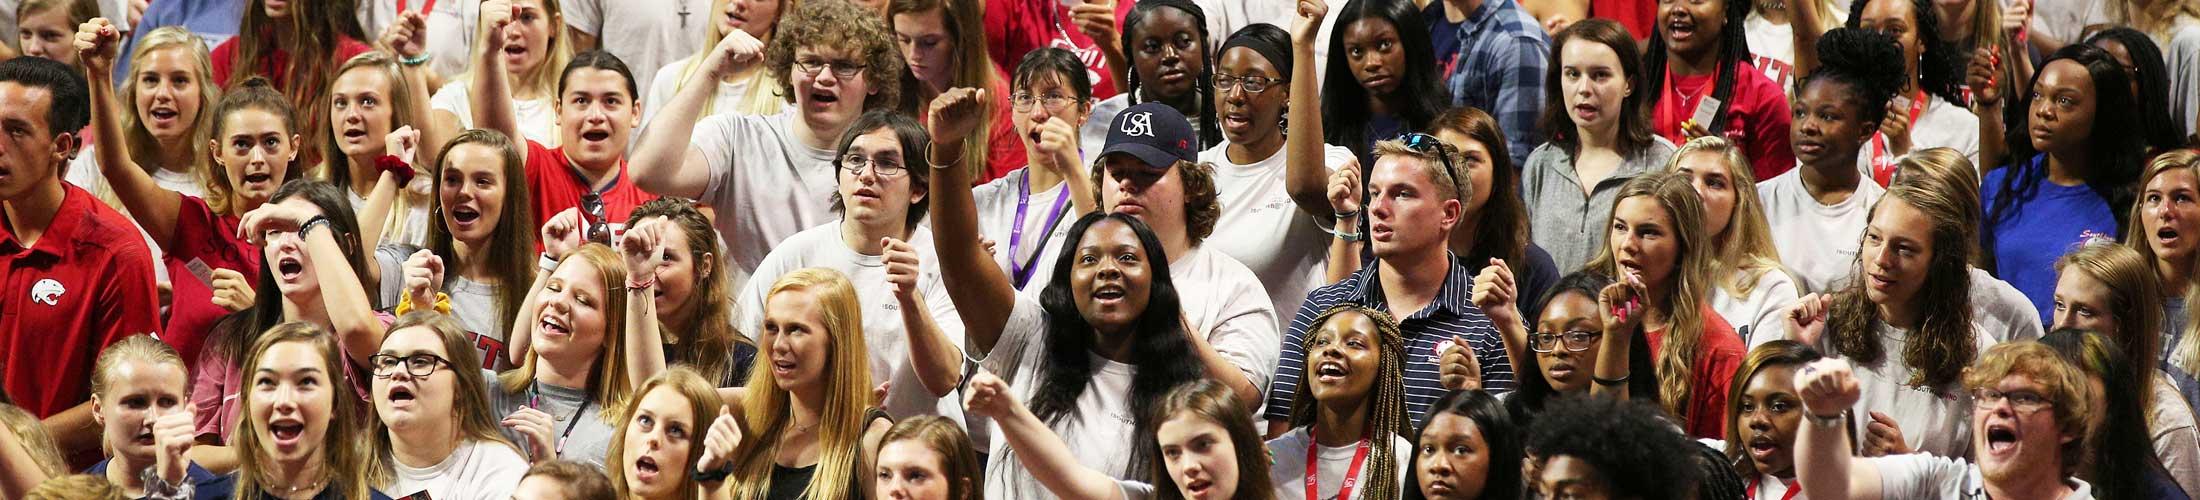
x=954, y=115
x=1620, y=305
x=1984, y=75
x=1896, y=126
x=1694, y=130
x=232, y=290
x=1058, y=149
x=1457, y=367
x=2016, y=16
x=137, y=12
x=173, y=435
x=1497, y=294
x=533, y=427
x=408, y=37
x=878, y=394
x=736, y=52
x=1344, y=188
x=989, y=245
x=97, y=43
x=1308, y=25
x=495, y=16
x=1806, y=320
x=643, y=246
x=987, y=396
x=561, y=235
x=1883, y=437
x=423, y=276
x=404, y=143
x=1096, y=19
x=902, y=269
x=718, y=445
x=1827, y=387
x=255, y=224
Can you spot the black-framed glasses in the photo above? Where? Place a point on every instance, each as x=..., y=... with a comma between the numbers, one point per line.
x=1575, y=340
x=417, y=365
x=1053, y=102
x=839, y=68
x=855, y=163
x=592, y=209
x=1429, y=144
x=1225, y=82
x=2024, y=402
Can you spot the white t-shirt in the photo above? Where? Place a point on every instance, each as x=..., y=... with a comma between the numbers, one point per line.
x=765, y=184
x=1941, y=124
x=1264, y=229
x=1040, y=247
x=1224, y=301
x=1817, y=242
x=451, y=30
x=667, y=82
x=537, y=120
x=2181, y=51
x=474, y=471
x=644, y=34
x=1998, y=310
x=1925, y=476
x=1288, y=468
x=2066, y=19
x=1935, y=420
x=884, y=335
x=415, y=223
x=1098, y=433
x=1756, y=316
x=1772, y=48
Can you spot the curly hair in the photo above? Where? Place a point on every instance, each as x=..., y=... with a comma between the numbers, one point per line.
x=841, y=26
x=1940, y=65
x=1385, y=406
x=1631, y=445
x=1942, y=342
x=2062, y=383
x=1857, y=58
x=1202, y=203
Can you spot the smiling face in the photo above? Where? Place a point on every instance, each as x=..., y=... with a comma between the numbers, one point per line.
x=2063, y=107
x=827, y=101
x=659, y=438
x=1897, y=253
x=1897, y=19
x=405, y=401
x=1378, y=60
x=797, y=340
x=1707, y=171
x=48, y=34
x=595, y=116
x=471, y=191
x=2010, y=444
x=1404, y=206
x=30, y=154
x=1593, y=83
x=1691, y=27
x=1453, y=462
x=2083, y=302
x=872, y=198
x=570, y=327
x=1200, y=457
x=527, y=40
x=287, y=259
x=2171, y=214
x=1644, y=241
x=1248, y=117
x=1344, y=357
x=925, y=42
x=1565, y=370
x=1168, y=53
x=255, y=150
x=137, y=393
x=1769, y=414
x=1111, y=278
x=757, y=17
x=909, y=470
x=292, y=398
x=1135, y=189
x=1564, y=476
x=168, y=97
x=360, y=113
x=1828, y=126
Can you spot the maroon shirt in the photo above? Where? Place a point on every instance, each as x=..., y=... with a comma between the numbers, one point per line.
x=86, y=283
x=211, y=240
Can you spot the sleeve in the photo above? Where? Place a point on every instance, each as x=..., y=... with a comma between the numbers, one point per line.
x=2179, y=448
x=1531, y=178
x=207, y=393
x=1134, y=490
x=1026, y=324
x=129, y=302
x=1535, y=278
x=1336, y=157
x=661, y=90
x=748, y=307
x=2183, y=55
x=717, y=138
x=453, y=98
x=1919, y=476
x=1290, y=362
x=1519, y=101
x=1780, y=292
x=391, y=260
x=585, y=16
x=1001, y=33
x=223, y=58
x=1247, y=335
x=1769, y=150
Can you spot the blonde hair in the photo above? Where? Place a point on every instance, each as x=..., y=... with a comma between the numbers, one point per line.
x=473, y=419
x=1948, y=172
x=1448, y=186
x=2134, y=304
x=764, y=97
x=344, y=456
x=959, y=464
x=2186, y=354
x=2156, y=18
x=1742, y=252
x=702, y=400
x=2064, y=385
x=76, y=487
x=45, y=454
x=542, y=80
x=847, y=379
x=142, y=146
x=1685, y=291
x=140, y=347
x=607, y=386
x=336, y=168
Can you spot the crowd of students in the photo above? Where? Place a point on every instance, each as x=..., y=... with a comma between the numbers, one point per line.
x=1099, y=249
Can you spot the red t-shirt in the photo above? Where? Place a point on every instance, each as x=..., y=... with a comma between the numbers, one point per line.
x=1718, y=356
x=1638, y=16
x=211, y=239
x=556, y=186
x=1007, y=151
x=1016, y=27
x=1756, y=117
x=276, y=63
x=86, y=283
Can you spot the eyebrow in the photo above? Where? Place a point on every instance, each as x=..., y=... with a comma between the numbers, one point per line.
x=300, y=371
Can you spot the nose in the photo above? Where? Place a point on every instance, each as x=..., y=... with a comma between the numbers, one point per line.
x=2065, y=316
x=1759, y=420
x=1883, y=258
x=1438, y=467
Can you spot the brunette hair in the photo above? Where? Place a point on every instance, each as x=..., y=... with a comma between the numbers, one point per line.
x=1635, y=138
x=254, y=94
x=514, y=234
x=581, y=481
x=707, y=335
x=345, y=456
x=1687, y=289
x=964, y=473
x=473, y=418
x=1780, y=353
x=1209, y=400
x=1501, y=230
x=1943, y=342
x=840, y=25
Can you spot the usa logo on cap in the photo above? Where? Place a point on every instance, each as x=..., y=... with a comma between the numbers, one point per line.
x=1138, y=124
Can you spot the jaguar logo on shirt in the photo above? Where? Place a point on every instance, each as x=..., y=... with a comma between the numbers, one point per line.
x=48, y=292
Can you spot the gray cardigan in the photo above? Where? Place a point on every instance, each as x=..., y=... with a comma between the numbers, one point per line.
x=1563, y=219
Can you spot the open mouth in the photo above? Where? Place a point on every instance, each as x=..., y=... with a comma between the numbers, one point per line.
x=1881, y=281
x=144, y=438
x=824, y=97
x=1331, y=371
x=164, y=114
x=465, y=215
x=2000, y=439
x=552, y=325
x=784, y=367
x=1198, y=487
x=286, y=432
x=1108, y=293
x=645, y=469
x=1762, y=447
x=354, y=134
x=2166, y=235
x=258, y=178
x=1586, y=111
x=1237, y=119
x=515, y=49
x=401, y=393
x=290, y=268
x=596, y=135
x=1680, y=28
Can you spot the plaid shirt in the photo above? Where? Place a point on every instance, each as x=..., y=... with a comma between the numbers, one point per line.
x=1499, y=69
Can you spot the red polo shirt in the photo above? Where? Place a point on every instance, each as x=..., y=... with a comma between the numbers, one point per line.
x=557, y=185
x=211, y=240
x=86, y=283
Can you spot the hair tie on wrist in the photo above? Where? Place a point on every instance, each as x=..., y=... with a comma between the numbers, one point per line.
x=403, y=172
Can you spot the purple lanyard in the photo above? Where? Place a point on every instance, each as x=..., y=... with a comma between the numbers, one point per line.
x=1023, y=269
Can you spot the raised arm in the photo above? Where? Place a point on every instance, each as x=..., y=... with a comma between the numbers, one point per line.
x=936, y=360
x=1345, y=239
x=343, y=298
x=491, y=87
x=1042, y=453
x=1306, y=177
x=1803, y=23
x=663, y=162
x=408, y=40
x=644, y=249
x=1059, y=153
x=1498, y=294
x=155, y=208
x=1823, y=461
x=561, y=235
x=1620, y=305
x=982, y=294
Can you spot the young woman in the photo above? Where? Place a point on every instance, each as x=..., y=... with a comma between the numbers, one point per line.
x=2143, y=61
x=2121, y=424
x=562, y=480
x=1469, y=449
x=171, y=88
x=140, y=399
x=1607, y=448
x=940, y=39
x=434, y=432
x=1837, y=107
x=1388, y=82
x=1930, y=110
x=474, y=260
x=1594, y=111
x=299, y=438
x=2076, y=157
x=1203, y=441
x=1750, y=288
x=1659, y=246
x=535, y=52
x=2108, y=289
x=1168, y=45
x=809, y=434
x=43, y=27
x=691, y=302
x=657, y=447
x=293, y=45
x=1970, y=25
x=1350, y=422
x=1566, y=342
x=928, y=458
x=1697, y=65
x=1493, y=222
x=2173, y=26
x=1027, y=211
x=369, y=100
x=750, y=91
x=2168, y=209
x=1761, y=417
x=566, y=395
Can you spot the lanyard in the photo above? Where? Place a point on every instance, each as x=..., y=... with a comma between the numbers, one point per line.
x=1314, y=476
x=1792, y=489
x=534, y=400
x=1025, y=268
x=425, y=9
x=1883, y=163
x=1673, y=108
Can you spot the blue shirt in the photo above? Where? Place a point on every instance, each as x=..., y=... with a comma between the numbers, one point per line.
x=1452, y=313
x=214, y=20
x=205, y=484
x=2043, y=221
x=1496, y=64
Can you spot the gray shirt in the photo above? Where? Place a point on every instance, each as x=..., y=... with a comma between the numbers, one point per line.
x=587, y=441
x=473, y=303
x=1565, y=219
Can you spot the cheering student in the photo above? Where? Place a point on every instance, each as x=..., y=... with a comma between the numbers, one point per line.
x=1600, y=136
x=294, y=45
x=751, y=91
x=2169, y=208
x=1659, y=250
x=1762, y=415
x=686, y=302
x=2031, y=411
x=1348, y=428
x=530, y=41
x=482, y=234
x=655, y=454
x=2121, y=424
x=1568, y=340
x=1031, y=208
x=1749, y=286
x=371, y=100
x=772, y=176
x=2107, y=288
x=596, y=109
x=433, y=432
x=567, y=393
x=140, y=391
x=804, y=424
x=1697, y=65
x=303, y=416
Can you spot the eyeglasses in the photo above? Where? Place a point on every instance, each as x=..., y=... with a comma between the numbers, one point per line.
x=1576, y=341
x=1054, y=103
x=855, y=163
x=1224, y=82
x=2024, y=402
x=1429, y=144
x=592, y=209
x=840, y=69
x=417, y=365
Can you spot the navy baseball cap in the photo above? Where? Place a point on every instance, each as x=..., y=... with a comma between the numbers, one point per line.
x=1157, y=134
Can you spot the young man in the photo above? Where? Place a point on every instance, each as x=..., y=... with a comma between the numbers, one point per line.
x=2029, y=408
x=647, y=33
x=1412, y=207
x=597, y=110
x=1494, y=55
x=75, y=275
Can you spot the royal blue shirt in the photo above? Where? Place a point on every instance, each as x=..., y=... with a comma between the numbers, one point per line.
x=2042, y=222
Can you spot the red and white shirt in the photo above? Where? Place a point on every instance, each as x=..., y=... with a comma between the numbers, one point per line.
x=86, y=283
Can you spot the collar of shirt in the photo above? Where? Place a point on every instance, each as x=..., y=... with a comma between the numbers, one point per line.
x=1455, y=296
x=60, y=236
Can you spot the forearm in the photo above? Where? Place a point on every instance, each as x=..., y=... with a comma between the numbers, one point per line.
x=983, y=296
x=645, y=345
x=1612, y=364
x=1082, y=198
x=937, y=362
x=350, y=312
x=1344, y=255
x=73, y=429
x=1825, y=466
x=492, y=93
x=155, y=208
x=523, y=327
x=421, y=83
x=1992, y=148
x=1306, y=174
x=376, y=215
x=1048, y=459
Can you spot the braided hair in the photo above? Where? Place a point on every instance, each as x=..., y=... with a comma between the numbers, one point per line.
x=1386, y=410
x=1941, y=72
x=2162, y=132
x=1210, y=131
x=1733, y=53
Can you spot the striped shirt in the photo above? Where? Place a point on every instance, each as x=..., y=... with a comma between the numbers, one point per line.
x=1452, y=313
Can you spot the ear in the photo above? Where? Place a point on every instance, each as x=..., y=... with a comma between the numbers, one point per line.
x=294, y=143
x=65, y=147
x=1451, y=214
x=98, y=418
x=706, y=266
x=918, y=191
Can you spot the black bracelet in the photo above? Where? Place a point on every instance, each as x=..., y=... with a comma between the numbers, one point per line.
x=716, y=475
x=306, y=229
x=1610, y=382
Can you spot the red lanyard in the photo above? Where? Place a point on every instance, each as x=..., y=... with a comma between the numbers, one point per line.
x=1674, y=108
x=1314, y=476
x=424, y=9
x=1882, y=162
x=1792, y=489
